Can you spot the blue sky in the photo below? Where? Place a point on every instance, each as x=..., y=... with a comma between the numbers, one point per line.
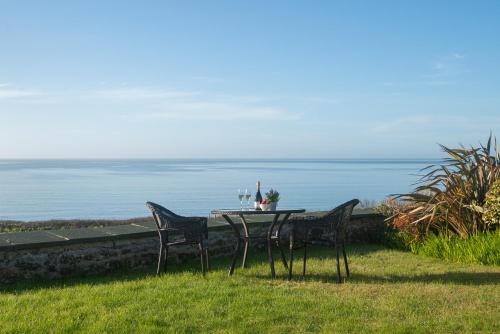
x=290, y=79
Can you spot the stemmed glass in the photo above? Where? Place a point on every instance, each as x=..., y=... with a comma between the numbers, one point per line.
x=248, y=194
x=240, y=196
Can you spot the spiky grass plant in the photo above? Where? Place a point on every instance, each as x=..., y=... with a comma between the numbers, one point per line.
x=482, y=248
x=450, y=197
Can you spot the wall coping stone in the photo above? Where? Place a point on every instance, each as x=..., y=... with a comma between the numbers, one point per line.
x=61, y=237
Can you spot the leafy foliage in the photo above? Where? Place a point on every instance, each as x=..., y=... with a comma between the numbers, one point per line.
x=450, y=198
x=396, y=239
x=492, y=207
x=272, y=196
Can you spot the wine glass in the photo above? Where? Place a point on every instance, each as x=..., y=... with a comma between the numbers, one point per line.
x=240, y=196
x=248, y=194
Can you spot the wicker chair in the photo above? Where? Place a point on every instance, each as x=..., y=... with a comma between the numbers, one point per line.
x=176, y=230
x=329, y=230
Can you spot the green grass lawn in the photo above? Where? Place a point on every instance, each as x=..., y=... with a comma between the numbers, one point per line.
x=388, y=291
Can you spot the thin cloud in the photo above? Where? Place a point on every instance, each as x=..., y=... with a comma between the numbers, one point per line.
x=322, y=100
x=419, y=124
x=141, y=93
x=161, y=103
x=438, y=82
x=208, y=79
x=219, y=112
x=156, y=103
x=9, y=92
x=245, y=99
x=450, y=65
x=395, y=125
x=444, y=71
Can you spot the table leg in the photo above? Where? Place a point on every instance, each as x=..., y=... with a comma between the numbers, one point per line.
x=246, y=240
x=235, y=256
x=238, y=243
x=270, y=246
x=278, y=240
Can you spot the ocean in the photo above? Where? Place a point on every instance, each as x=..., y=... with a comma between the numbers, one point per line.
x=115, y=189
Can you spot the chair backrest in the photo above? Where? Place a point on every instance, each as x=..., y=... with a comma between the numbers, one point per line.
x=338, y=218
x=163, y=217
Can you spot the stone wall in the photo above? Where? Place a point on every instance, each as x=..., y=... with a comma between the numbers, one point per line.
x=101, y=255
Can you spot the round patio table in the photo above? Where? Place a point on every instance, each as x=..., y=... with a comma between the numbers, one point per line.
x=272, y=233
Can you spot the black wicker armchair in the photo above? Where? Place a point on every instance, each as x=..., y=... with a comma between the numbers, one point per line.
x=328, y=230
x=176, y=230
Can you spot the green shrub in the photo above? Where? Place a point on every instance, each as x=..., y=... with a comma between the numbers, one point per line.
x=396, y=239
x=491, y=214
x=483, y=248
x=450, y=198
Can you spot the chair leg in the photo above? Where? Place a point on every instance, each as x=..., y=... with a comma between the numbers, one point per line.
x=278, y=243
x=283, y=259
x=165, y=255
x=235, y=256
x=345, y=260
x=339, y=277
x=305, y=259
x=160, y=260
x=206, y=258
x=290, y=265
x=245, y=253
x=200, y=246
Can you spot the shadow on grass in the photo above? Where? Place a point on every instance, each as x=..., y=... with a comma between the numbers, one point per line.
x=192, y=265
x=456, y=277
x=452, y=277
x=38, y=284
x=221, y=264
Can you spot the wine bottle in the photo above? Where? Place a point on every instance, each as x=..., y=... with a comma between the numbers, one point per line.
x=258, y=197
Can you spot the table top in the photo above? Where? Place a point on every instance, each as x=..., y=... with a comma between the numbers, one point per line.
x=238, y=212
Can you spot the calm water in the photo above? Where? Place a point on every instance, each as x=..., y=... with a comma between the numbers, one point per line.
x=47, y=189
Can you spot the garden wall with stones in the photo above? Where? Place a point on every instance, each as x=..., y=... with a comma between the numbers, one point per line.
x=61, y=253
